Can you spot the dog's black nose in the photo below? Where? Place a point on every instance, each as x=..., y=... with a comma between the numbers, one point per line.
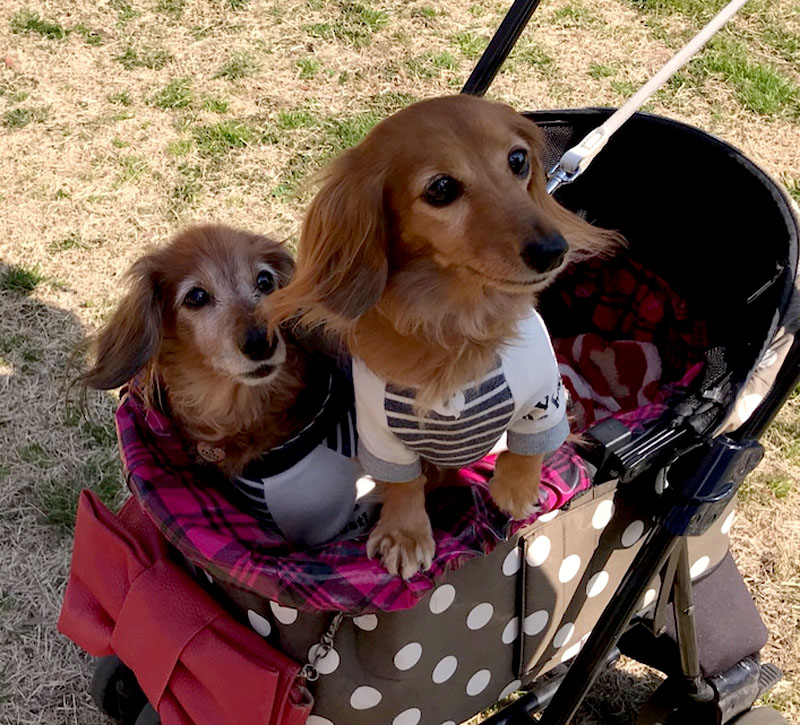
x=545, y=252
x=257, y=343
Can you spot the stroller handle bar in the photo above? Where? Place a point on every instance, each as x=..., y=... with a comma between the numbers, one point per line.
x=577, y=159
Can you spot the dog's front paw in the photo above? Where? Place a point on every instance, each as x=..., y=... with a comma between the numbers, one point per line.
x=519, y=499
x=403, y=551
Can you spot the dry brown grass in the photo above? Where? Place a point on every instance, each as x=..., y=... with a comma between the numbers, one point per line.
x=100, y=157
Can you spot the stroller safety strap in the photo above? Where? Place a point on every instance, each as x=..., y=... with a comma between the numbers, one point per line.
x=577, y=159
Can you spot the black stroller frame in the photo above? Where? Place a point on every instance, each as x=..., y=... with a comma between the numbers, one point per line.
x=708, y=473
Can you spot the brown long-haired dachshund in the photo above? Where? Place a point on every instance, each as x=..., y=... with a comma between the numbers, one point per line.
x=187, y=330
x=424, y=251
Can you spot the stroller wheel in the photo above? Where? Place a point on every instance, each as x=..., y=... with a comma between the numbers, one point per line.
x=107, y=673
x=761, y=716
x=115, y=690
x=148, y=716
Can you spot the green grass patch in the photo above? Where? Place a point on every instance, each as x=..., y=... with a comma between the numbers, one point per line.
x=121, y=98
x=176, y=94
x=598, y=71
x=533, y=55
x=22, y=280
x=470, y=44
x=143, y=57
x=21, y=117
x=27, y=21
x=425, y=13
x=758, y=87
x=171, y=8
x=295, y=118
x=691, y=8
x=217, y=139
x=623, y=87
x=180, y=147
x=215, y=105
x=58, y=499
x=131, y=169
x=785, y=43
x=125, y=11
x=241, y=64
x=187, y=189
x=308, y=68
x=574, y=15
x=65, y=244
x=355, y=24
x=35, y=455
x=793, y=187
x=431, y=65
x=90, y=36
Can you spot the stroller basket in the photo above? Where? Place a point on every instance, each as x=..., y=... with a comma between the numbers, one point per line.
x=712, y=264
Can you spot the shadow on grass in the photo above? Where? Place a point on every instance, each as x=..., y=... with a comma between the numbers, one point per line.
x=51, y=450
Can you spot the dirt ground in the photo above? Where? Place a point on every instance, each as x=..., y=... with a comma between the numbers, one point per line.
x=122, y=120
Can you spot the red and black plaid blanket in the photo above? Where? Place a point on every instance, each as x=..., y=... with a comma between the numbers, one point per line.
x=605, y=376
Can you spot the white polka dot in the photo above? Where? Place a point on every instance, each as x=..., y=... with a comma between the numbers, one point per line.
x=585, y=637
x=408, y=717
x=511, y=631
x=259, y=623
x=285, y=615
x=408, y=655
x=509, y=688
x=602, y=514
x=478, y=682
x=536, y=622
x=597, y=584
x=569, y=568
x=699, y=566
x=726, y=525
x=538, y=551
x=563, y=635
x=548, y=517
x=365, y=697
x=479, y=616
x=450, y=722
x=317, y=720
x=328, y=664
x=512, y=562
x=211, y=579
x=649, y=597
x=633, y=532
x=444, y=669
x=442, y=598
x=367, y=622
x=570, y=652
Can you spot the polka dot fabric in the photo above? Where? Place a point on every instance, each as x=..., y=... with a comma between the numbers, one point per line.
x=454, y=654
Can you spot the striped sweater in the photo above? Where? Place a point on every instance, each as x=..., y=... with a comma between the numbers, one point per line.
x=519, y=404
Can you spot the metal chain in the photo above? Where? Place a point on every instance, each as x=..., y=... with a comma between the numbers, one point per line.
x=319, y=651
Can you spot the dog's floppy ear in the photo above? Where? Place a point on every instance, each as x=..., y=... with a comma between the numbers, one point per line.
x=341, y=259
x=132, y=337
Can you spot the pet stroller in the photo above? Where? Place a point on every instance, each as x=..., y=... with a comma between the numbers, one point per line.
x=677, y=354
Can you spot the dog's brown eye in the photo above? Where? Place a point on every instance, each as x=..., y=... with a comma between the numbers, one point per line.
x=518, y=162
x=443, y=190
x=196, y=297
x=265, y=282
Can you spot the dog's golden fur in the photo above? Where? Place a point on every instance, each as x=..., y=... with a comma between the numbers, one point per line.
x=426, y=294
x=191, y=360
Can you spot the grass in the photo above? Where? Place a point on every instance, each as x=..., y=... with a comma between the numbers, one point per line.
x=27, y=21
x=217, y=139
x=241, y=64
x=20, y=117
x=176, y=94
x=430, y=65
x=21, y=280
x=90, y=36
x=143, y=57
x=131, y=169
x=308, y=68
x=599, y=70
x=469, y=44
x=757, y=86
